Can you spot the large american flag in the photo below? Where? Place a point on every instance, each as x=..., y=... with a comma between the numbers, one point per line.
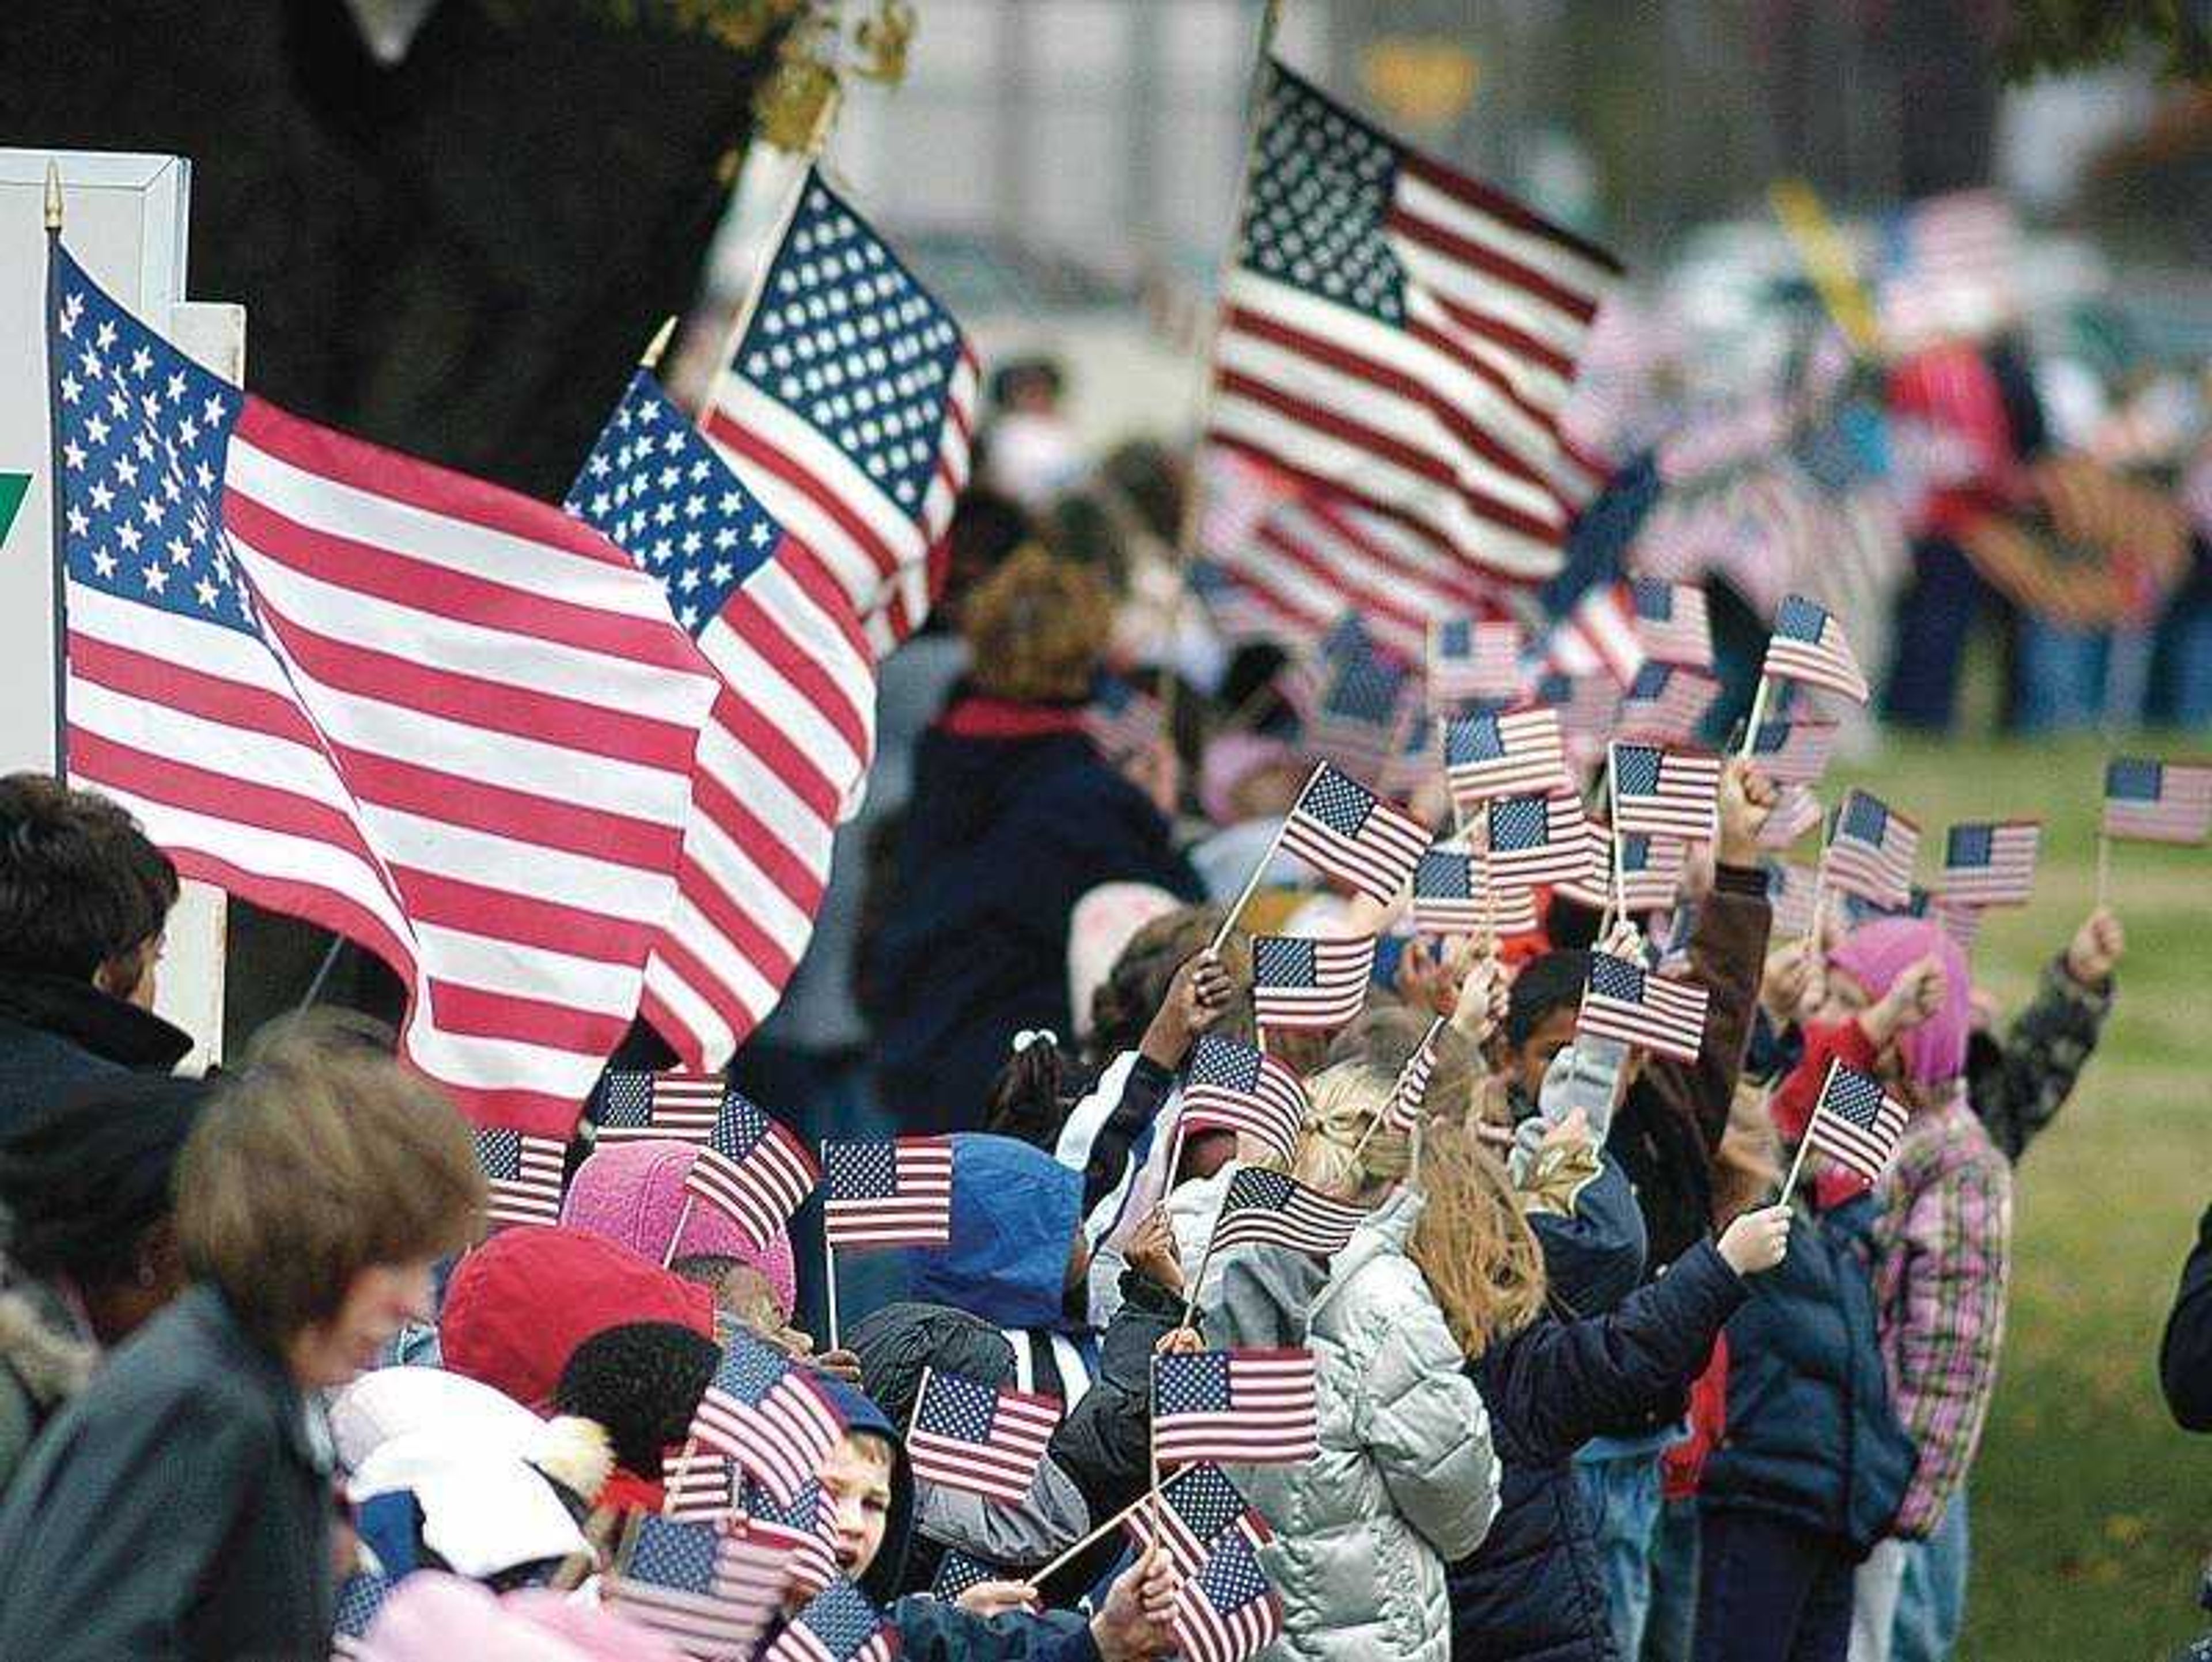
x=1625, y=1002
x=449, y=723
x=754, y=1170
x=802, y=1532
x=1870, y=850
x=1402, y=333
x=1855, y=1121
x=1793, y=751
x=839, y=1624
x=1472, y=659
x=1453, y=895
x=767, y=1413
x=785, y=755
x=1809, y=645
x=1235, y=1087
x=1666, y=703
x=1249, y=1407
x=692, y=1583
x=1991, y=863
x=1197, y=1506
x=1670, y=793
x=635, y=1105
x=1300, y=982
x=1492, y=755
x=524, y=1174
x=1227, y=1611
x=894, y=1193
x=2148, y=802
x=847, y=406
x=1537, y=839
x=1267, y=1209
x=1672, y=619
x=970, y=1436
x=1343, y=829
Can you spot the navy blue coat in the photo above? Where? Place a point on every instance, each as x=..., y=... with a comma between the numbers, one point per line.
x=1002, y=837
x=1811, y=1437
x=57, y=1033
x=1533, y=1591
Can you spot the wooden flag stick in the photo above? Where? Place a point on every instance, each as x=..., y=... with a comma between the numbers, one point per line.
x=1198, y=1280
x=55, y=444
x=1612, y=828
x=2104, y=868
x=1804, y=1147
x=1068, y=1554
x=829, y=1279
x=1757, y=716
x=683, y=1217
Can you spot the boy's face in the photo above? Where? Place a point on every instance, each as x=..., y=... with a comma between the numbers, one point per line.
x=856, y=1477
x=1546, y=1040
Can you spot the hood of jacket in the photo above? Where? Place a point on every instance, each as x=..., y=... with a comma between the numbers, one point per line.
x=1014, y=1213
x=112, y=1029
x=887, y=1575
x=896, y=1343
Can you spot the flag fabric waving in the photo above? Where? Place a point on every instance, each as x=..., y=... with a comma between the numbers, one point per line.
x=1227, y=1611
x=897, y=1193
x=1452, y=895
x=1588, y=706
x=1796, y=810
x=754, y=1170
x=1870, y=850
x=525, y=1175
x=1671, y=617
x=2148, y=802
x=1666, y=703
x=1795, y=751
x=1409, y=1094
x=1472, y=659
x=767, y=1413
x=1668, y=793
x=958, y=1571
x=1856, y=1123
x=785, y=754
x=1121, y=721
x=1790, y=891
x=691, y=1584
x=1523, y=754
x=847, y=407
x=1199, y=1505
x=1651, y=870
x=1302, y=982
x=1341, y=827
x=1271, y=1209
x=635, y=1105
x=1245, y=1407
x=839, y=1624
x=445, y=722
x=802, y=1532
x=1231, y=1085
x=1807, y=645
x=1402, y=333
x=977, y=1439
x=1537, y=839
x=698, y=1486
x=1625, y=1002
x=1355, y=724
x=1990, y=864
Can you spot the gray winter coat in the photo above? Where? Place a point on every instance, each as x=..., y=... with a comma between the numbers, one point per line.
x=1406, y=1481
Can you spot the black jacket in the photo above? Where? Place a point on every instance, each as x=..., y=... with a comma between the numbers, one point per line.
x=56, y=1033
x=1533, y=1591
x=2184, y=1355
x=179, y=1509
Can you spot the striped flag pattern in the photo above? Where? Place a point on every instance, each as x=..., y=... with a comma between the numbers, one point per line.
x=895, y=1193
x=694, y=1585
x=1243, y=1407
x=1666, y=703
x=1789, y=892
x=1523, y=754
x=847, y=407
x=1270, y=1209
x=2148, y=802
x=1592, y=886
x=1796, y=811
x=1807, y=645
x=1793, y=751
x=1856, y=1123
x=1473, y=660
x=1449, y=896
x=1870, y=851
x=1650, y=870
x=1537, y=839
x=1588, y=705
x=1403, y=333
x=1671, y=617
x=1231, y=1085
x=1409, y=1092
x=1622, y=1001
x=697, y=1486
x=839, y=1624
x=754, y=1170
x=1990, y=864
x=1227, y=1611
x=1199, y=1505
x=1123, y=720
x=526, y=1175
x=769, y=1415
x=1300, y=982
x=637, y=1106
x=1667, y=792
x=802, y=1532
x=1341, y=828
x=984, y=1442
x=443, y=720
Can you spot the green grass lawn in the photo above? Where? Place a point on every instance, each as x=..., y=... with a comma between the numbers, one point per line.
x=2091, y=1511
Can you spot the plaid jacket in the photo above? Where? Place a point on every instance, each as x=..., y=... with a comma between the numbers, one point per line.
x=2018, y=1083
x=1943, y=1258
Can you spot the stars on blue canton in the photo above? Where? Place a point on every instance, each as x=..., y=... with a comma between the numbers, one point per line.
x=1863, y=818
x=749, y=1370
x=1473, y=738
x=1205, y=1500
x=1856, y=1098
x=958, y=1408
x=626, y=1100
x=1636, y=769
x=1635, y=850
x=1655, y=599
x=1319, y=199
x=1651, y=680
x=847, y=340
x=1970, y=845
x=957, y=1572
x=739, y=1126
x=805, y=1511
x=1799, y=618
x=1443, y=875
x=143, y=434
x=1283, y=961
x=1254, y=1188
x=2132, y=779
x=1366, y=689
x=1232, y=1577
x=1339, y=803
x=1193, y=1385
x=673, y=1554
x=1222, y=1062
x=1455, y=638
x=657, y=489
x=843, y=1619
x=1520, y=822
x=860, y=1171
x=1616, y=977
x=499, y=1152
x=358, y=1601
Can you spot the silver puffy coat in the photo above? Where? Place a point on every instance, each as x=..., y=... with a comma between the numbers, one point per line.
x=1406, y=1481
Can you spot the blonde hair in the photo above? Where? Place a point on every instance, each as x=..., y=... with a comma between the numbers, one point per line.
x=1481, y=1259
x=1336, y=1154
x=1036, y=627
x=1387, y=1033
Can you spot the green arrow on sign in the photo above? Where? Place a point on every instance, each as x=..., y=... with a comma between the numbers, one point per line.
x=12, y=488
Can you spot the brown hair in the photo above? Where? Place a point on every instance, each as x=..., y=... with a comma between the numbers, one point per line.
x=1138, y=984
x=80, y=883
x=1481, y=1257
x=323, y=1158
x=1035, y=628
x=1748, y=1165
x=1386, y=1034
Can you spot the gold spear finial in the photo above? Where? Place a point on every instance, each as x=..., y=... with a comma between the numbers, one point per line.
x=660, y=345
x=53, y=195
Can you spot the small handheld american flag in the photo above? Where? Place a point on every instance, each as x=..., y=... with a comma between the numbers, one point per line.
x=804, y=1532
x=1518, y=755
x=1856, y=1123
x=1990, y=864
x=839, y=1624
x=1668, y=793
x=637, y=1106
x=1302, y=982
x=958, y=1571
x=1341, y=828
x=1449, y=896
x=1650, y=870
x=1870, y=850
x=1666, y=703
x=1622, y=1002
x=971, y=1437
x=754, y=1170
x=1356, y=718
x=1122, y=719
x=1588, y=705
x=695, y=1584
x=1793, y=751
x=1789, y=891
x=1409, y=1094
x=1271, y=1209
x=1807, y=645
x=1234, y=1086
x=1671, y=620
x=1199, y=1505
x=897, y=1193
x=2148, y=802
x=769, y=1415
x=697, y=1486
x=1471, y=659
x=526, y=1176
x=1538, y=839
x=1796, y=811
x=1248, y=1407
x=360, y=1598
x=1227, y=1611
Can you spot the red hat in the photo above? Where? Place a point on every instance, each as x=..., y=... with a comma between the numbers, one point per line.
x=520, y=1304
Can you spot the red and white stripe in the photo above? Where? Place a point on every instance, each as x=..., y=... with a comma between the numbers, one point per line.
x=1376, y=858
x=1676, y=714
x=1002, y=1464
x=1490, y=670
x=2007, y=878
x=1681, y=804
x=1564, y=857
x=1338, y=988
x=780, y=1439
x=917, y=1213
x=1535, y=759
x=534, y=1194
x=759, y=1192
x=1669, y=1020
x=1274, y=1417
x=697, y=1487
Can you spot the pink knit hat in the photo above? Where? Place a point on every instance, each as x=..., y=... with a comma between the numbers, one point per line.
x=632, y=1194
x=1934, y=1052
